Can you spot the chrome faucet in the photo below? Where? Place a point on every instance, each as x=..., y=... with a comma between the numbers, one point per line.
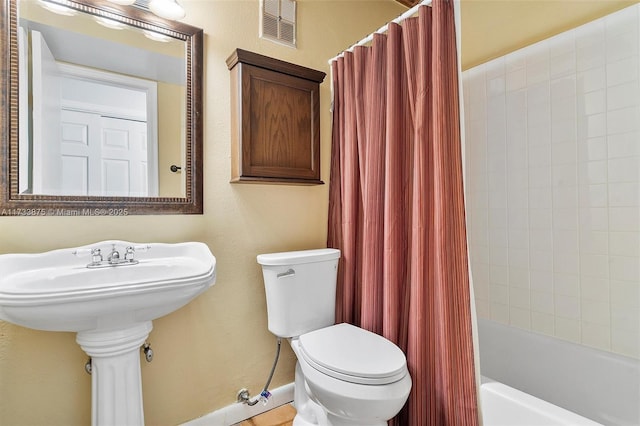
x=113, y=259
x=114, y=256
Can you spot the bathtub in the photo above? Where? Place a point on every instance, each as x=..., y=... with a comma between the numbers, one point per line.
x=505, y=406
x=594, y=384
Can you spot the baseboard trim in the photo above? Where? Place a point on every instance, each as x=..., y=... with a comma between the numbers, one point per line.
x=237, y=412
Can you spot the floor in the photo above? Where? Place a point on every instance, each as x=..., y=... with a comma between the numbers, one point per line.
x=281, y=416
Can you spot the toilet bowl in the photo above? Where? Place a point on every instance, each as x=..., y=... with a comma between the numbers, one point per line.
x=345, y=375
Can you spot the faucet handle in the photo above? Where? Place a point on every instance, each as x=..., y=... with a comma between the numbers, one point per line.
x=96, y=255
x=129, y=253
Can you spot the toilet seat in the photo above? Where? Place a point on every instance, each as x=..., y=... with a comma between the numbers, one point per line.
x=352, y=354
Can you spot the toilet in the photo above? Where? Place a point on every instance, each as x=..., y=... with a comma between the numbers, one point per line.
x=345, y=375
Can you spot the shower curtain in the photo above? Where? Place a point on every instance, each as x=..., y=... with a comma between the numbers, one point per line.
x=396, y=209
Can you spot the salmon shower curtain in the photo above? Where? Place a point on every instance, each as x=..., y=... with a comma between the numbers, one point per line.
x=396, y=209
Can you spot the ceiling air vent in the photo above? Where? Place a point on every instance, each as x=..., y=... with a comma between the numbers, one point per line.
x=278, y=21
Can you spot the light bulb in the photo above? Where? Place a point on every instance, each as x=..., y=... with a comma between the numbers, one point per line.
x=57, y=8
x=168, y=9
x=156, y=36
x=109, y=23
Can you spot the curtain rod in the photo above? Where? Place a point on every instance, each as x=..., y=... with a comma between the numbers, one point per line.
x=383, y=29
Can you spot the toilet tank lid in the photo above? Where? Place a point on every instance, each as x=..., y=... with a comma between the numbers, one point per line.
x=298, y=257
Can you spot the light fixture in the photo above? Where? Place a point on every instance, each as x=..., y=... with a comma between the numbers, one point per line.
x=57, y=8
x=109, y=23
x=168, y=9
x=156, y=36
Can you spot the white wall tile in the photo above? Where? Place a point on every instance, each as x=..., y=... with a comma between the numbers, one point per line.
x=562, y=64
x=596, y=125
x=593, y=172
x=515, y=61
x=622, y=45
x=623, y=145
x=541, y=281
x=565, y=197
x=520, y=318
x=564, y=152
x=495, y=86
x=594, y=265
x=596, y=312
x=499, y=275
x=594, y=242
x=543, y=323
x=624, y=169
x=499, y=312
x=519, y=238
x=594, y=79
x=625, y=293
x=592, y=149
x=542, y=301
x=625, y=318
x=593, y=195
x=499, y=294
x=566, y=285
x=566, y=262
x=553, y=135
x=625, y=342
x=590, y=55
x=566, y=174
x=624, y=194
x=623, y=71
x=623, y=120
x=593, y=102
x=594, y=219
x=568, y=329
x=516, y=79
x=621, y=96
x=596, y=335
x=624, y=219
x=540, y=219
x=625, y=268
x=597, y=289
x=625, y=243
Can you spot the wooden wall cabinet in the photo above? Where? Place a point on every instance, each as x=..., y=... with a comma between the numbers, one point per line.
x=275, y=120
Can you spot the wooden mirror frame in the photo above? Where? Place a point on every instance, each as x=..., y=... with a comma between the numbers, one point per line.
x=12, y=203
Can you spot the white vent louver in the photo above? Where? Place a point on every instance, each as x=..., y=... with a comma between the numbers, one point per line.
x=278, y=21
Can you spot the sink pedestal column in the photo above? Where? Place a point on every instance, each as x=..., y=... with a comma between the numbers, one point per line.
x=116, y=386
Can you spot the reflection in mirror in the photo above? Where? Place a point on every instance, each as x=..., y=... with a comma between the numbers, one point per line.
x=98, y=81
x=108, y=100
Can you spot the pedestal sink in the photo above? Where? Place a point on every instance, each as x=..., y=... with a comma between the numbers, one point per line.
x=108, y=293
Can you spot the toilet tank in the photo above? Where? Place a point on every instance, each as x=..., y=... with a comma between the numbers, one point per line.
x=301, y=290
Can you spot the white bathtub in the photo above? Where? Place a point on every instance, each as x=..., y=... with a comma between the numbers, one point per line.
x=598, y=385
x=505, y=406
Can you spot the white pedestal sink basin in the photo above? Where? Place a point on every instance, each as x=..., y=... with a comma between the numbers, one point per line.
x=110, y=300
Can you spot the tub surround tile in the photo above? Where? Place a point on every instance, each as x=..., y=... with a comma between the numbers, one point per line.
x=553, y=183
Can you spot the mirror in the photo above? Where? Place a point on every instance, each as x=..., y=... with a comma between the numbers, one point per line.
x=69, y=146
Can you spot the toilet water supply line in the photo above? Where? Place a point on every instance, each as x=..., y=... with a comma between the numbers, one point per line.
x=243, y=395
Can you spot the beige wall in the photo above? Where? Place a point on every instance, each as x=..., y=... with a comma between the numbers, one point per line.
x=492, y=28
x=219, y=343
x=171, y=145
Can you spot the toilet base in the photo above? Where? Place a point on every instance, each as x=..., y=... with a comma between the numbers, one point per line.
x=310, y=413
